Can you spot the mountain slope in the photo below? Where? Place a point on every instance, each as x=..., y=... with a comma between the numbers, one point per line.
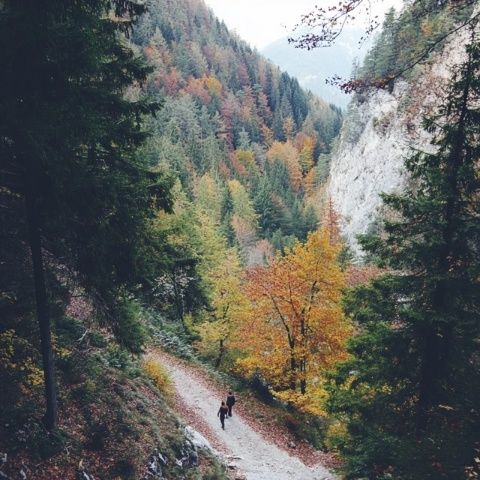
x=238, y=141
x=228, y=116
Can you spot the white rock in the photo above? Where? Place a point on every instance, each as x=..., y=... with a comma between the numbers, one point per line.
x=377, y=135
x=197, y=439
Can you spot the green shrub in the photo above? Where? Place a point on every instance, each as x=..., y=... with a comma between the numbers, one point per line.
x=336, y=435
x=124, y=468
x=44, y=444
x=86, y=393
x=97, y=340
x=68, y=329
x=175, y=343
x=78, y=366
x=97, y=435
x=215, y=472
x=261, y=389
x=307, y=427
x=292, y=423
x=120, y=359
x=128, y=328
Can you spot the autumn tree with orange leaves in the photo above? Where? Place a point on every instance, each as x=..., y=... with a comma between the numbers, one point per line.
x=294, y=329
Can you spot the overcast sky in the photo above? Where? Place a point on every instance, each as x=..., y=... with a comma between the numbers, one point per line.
x=261, y=22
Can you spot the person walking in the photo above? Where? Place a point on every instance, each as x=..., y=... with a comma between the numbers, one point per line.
x=230, y=403
x=222, y=413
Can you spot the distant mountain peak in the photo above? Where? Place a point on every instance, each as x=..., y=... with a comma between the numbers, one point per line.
x=313, y=68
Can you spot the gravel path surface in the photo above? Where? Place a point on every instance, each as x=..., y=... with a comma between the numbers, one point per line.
x=253, y=456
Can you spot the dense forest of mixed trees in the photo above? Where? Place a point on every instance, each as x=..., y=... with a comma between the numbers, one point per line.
x=230, y=115
x=408, y=38
x=160, y=180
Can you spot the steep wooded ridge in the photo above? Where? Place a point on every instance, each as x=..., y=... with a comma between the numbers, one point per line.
x=382, y=125
x=229, y=115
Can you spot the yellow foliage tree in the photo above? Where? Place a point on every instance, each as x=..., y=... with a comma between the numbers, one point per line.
x=267, y=135
x=242, y=204
x=209, y=197
x=288, y=154
x=247, y=159
x=194, y=233
x=309, y=182
x=306, y=155
x=294, y=329
x=228, y=304
x=213, y=85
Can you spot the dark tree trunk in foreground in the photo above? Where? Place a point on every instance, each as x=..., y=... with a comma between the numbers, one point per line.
x=221, y=352
x=43, y=318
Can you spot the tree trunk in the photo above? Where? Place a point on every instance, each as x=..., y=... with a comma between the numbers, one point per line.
x=303, y=362
x=293, y=368
x=178, y=298
x=43, y=318
x=427, y=384
x=221, y=351
x=303, y=381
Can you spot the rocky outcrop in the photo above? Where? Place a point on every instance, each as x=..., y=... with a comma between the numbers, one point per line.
x=368, y=160
x=187, y=455
x=155, y=466
x=380, y=129
x=23, y=472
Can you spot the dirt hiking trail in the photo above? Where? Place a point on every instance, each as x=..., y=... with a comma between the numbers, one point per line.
x=249, y=454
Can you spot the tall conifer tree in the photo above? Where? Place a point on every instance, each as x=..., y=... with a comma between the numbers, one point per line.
x=410, y=394
x=68, y=138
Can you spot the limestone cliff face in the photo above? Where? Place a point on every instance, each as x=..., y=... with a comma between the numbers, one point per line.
x=380, y=129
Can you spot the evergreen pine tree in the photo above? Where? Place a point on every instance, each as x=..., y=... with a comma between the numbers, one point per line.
x=226, y=216
x=269, y=220
x=68, y=138
x=310, y=220
x=410, y=394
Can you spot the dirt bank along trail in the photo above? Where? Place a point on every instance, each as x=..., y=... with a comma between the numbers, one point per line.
x=252, y=451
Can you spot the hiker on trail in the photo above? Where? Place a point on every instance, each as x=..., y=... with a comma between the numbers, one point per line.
x=222, y=413
x=230, y=403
